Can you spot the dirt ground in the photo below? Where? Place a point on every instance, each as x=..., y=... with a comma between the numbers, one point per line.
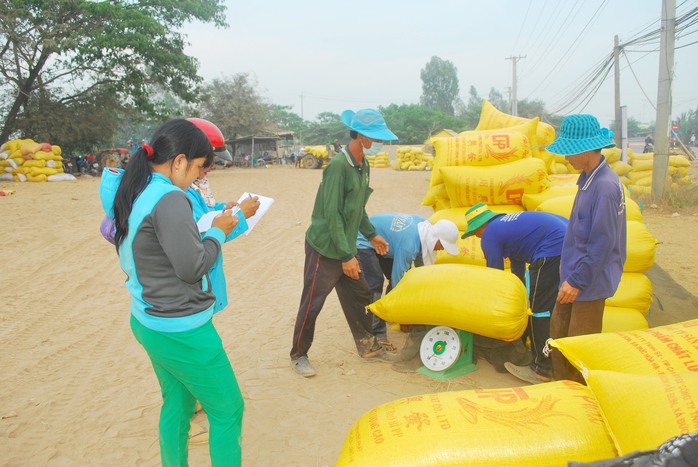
x=78, y=390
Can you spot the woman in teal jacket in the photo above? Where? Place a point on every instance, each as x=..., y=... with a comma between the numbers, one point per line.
x=167, y=264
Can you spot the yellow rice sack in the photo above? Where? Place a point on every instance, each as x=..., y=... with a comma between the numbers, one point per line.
x=434, y=194
x=621, y=168
x=563, y=179
x=612, y=154
x=636, y=190
x=457, y=215
x=634, y=291
x=640, y=165
x=469, y=252
x=479, y=149
x=636, y=175
x=641, y=246
x=679, y=161
x=663, y=349
x=533, y=200
x=484, y=301
x=491, y=118
x=498, y=184
x=34, y=163
x=540, y=425
x=37, y=178
x=617, y=319
x=643, y=411
x=562, y=206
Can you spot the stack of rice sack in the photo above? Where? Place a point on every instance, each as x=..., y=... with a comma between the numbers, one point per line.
x=629, y=307
x=412, y=158
x=495, y=166
x=25, y=160
x=379, y=161
x=645, y=381
x=642, y=389
x=640, y=175
x=317, y=151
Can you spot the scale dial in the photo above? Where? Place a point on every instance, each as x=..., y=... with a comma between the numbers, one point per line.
x=440, y=348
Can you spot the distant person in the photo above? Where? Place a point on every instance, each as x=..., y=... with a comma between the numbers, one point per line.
x=594, y=249
x=533, y=238
x=693, y=139
x=330, y=242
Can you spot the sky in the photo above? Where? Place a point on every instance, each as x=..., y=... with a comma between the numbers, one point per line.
x=327, y=56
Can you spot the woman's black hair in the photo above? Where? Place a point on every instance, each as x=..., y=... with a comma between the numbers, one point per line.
x=353, y=134
x=174, y=137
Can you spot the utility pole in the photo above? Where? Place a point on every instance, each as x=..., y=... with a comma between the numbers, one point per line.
x=666, y=72
x=300, y=133
x=514, y=101
x=616, y=69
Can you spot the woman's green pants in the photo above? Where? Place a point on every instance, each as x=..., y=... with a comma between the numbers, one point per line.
x=190, y=366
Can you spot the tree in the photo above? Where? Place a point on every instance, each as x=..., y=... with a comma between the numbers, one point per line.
x=70, y=48
x=413, y=123
x=235, y=106
x=470, y=112
x=439, y=85
x=327, y=127
x=81, y=125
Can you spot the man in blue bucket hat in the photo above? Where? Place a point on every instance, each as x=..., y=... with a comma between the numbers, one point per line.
x=594, y=248
x=339, y=214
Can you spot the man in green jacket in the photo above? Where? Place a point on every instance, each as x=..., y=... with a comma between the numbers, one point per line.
x=338, y=216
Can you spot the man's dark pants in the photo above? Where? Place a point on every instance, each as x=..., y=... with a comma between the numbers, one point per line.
x=320, y=276
x=574, y=319
x=544, y=278
x=375, y=267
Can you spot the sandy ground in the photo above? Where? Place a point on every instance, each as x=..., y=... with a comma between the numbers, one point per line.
x=78, y=390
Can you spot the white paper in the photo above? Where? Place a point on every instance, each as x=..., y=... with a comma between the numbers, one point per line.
x=264, y=205
x=205, y=221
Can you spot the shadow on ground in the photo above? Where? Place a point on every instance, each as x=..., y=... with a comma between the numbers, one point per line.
x=672, y=302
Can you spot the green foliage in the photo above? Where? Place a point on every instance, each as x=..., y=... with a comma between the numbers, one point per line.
x=439, y=86
x=413, y=124
x=71, y=47
x=235, y=106
x=79, y=126
x=688, y=125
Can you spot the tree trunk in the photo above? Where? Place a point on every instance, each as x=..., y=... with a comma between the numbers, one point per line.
x=22, y=98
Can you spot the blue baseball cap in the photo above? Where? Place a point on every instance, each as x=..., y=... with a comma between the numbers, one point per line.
x=368, y=122
x=580, y=133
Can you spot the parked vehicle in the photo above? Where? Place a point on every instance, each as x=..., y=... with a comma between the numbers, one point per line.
x=89, y=165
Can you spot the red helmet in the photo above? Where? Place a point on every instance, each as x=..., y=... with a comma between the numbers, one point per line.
x=214, y=135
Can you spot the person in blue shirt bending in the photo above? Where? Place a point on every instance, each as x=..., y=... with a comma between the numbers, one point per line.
x=525, y=237
x=411, y=239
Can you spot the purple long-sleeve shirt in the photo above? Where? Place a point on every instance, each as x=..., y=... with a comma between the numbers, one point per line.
x=594, y=249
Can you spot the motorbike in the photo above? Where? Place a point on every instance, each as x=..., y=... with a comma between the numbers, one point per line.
x=649, y=147
x=68, y=166
x=89, y=165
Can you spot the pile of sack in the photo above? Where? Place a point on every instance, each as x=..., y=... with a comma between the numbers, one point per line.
x=412, y=158
x=501, y=168
x=642, y=390
x=317, y=151
x=25, y=160
x=379, y=161
x=639, y=177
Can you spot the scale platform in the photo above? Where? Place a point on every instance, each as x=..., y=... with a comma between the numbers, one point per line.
x=446, y=353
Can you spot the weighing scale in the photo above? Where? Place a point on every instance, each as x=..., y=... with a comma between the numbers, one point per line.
x=446, y=353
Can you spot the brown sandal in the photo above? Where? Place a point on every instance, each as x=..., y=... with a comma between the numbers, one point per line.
x=386, y=345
